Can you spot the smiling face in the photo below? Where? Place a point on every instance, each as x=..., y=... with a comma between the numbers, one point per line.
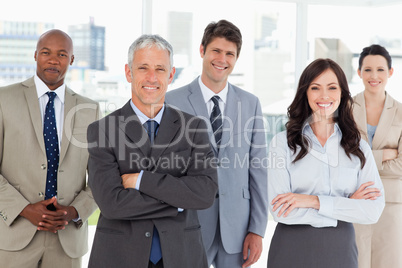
x=375, y=73
x=53, y=55
x=324, y=95
x=219, y=59
x=149, y=75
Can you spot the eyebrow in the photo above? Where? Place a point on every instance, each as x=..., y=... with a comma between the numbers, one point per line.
x=332, y=83
x=61, y=50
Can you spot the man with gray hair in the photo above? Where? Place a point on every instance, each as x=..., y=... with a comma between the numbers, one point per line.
x=150, y=168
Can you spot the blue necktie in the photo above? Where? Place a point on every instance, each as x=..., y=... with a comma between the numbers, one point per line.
x=216, y=119
x=156, y=252
x=52, y=147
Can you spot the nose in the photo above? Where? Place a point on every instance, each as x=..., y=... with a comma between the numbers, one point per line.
x=151, y=76
x=374, y=74
x=53, y=59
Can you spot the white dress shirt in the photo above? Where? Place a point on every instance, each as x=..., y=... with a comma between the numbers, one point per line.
x=41, y=90
x=327, y=172
x=208, y=94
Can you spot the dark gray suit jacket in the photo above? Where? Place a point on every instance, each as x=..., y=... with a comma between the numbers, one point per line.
x=178, y=173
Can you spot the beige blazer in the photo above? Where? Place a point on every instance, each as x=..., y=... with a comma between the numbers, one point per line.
x=388, y=136
x=23, y=165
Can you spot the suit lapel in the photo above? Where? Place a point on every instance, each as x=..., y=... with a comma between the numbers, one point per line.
x=230, y=117
x=359, y=111
x=131, y=126
x=31, y=97
x=196, y=100
x=70, y=102
x=386, y=119
x=170, y=125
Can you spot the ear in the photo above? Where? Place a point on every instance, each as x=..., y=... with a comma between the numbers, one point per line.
x=128, y=73
x=359, y=73
x=36, y=53
x=171, y=76
x=202, y=52
x=72, y=60
x=391, y=72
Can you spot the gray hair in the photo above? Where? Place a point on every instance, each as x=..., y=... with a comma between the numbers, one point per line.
x=148, y=41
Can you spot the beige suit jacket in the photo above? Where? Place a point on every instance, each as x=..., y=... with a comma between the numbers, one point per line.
x=23, y=165
x=388, y=136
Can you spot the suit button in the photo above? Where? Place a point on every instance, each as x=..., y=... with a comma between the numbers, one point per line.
x=43, y=166
x=41, y=194
x=147, y=234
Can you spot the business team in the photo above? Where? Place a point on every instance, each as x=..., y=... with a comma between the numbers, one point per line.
x=178, y=176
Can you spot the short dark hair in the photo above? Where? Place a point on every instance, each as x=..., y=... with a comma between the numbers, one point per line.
x=375, y=50
x=225, y=29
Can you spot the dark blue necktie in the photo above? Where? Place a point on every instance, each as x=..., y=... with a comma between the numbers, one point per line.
x=216, y=119
x=52, y=147
x=156, y=253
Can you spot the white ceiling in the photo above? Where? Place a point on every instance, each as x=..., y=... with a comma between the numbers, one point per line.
x=366, y=3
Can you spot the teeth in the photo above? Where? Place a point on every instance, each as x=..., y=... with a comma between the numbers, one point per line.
x=219, y=68
x=324, y=105
x=150, y=88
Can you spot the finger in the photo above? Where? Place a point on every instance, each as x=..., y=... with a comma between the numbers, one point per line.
x=245, y=250
x=289, y=209
x=279, y=197
x=285, y=205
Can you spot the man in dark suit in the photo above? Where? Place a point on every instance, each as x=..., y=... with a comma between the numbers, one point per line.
x=150, y=168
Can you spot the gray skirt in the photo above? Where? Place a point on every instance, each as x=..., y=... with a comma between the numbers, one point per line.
x=304, y=246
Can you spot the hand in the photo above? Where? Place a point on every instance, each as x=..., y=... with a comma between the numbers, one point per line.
x=389, y=154
x=129, y=180
x=47, y=220
x=290, y=201
x=253, y=244
x=366, y=193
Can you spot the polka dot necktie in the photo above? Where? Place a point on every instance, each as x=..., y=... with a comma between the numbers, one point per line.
x=52, y=147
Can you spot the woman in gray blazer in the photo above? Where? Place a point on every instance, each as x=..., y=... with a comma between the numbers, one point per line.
x=379, y=118
x=323, y=177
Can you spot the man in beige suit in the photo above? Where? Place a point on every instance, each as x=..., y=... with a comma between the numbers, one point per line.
x=38, y=230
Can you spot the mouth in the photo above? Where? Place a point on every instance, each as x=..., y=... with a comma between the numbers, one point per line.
x=221, y=68
x=374, y=83
x=326, y=105
x=52, y=70
x=150, y=88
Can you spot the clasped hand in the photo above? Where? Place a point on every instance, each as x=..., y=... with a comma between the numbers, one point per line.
x=47, y=220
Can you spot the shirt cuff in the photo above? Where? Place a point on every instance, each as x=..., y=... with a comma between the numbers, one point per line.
x=137, y=184
x=327, y=209
x=77, y=219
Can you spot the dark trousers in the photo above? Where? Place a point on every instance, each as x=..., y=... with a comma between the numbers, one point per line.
x=158, y=265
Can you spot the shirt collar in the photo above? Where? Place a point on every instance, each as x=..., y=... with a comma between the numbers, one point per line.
x=143, y=118
x=309, y=131
x=42, y=88
x=208, y=94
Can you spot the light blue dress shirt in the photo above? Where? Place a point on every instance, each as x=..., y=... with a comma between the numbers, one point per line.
x=143, y=118
x=327, y=172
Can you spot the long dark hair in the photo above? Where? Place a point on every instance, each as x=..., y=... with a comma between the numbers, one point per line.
x=299, y=112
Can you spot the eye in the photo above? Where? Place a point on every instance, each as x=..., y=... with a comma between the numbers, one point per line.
x=333, y=88
x=367, y=70
x=160, y=69
x=63, y=55
x=381, y=70
x=314, y=88
x=44, y=53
